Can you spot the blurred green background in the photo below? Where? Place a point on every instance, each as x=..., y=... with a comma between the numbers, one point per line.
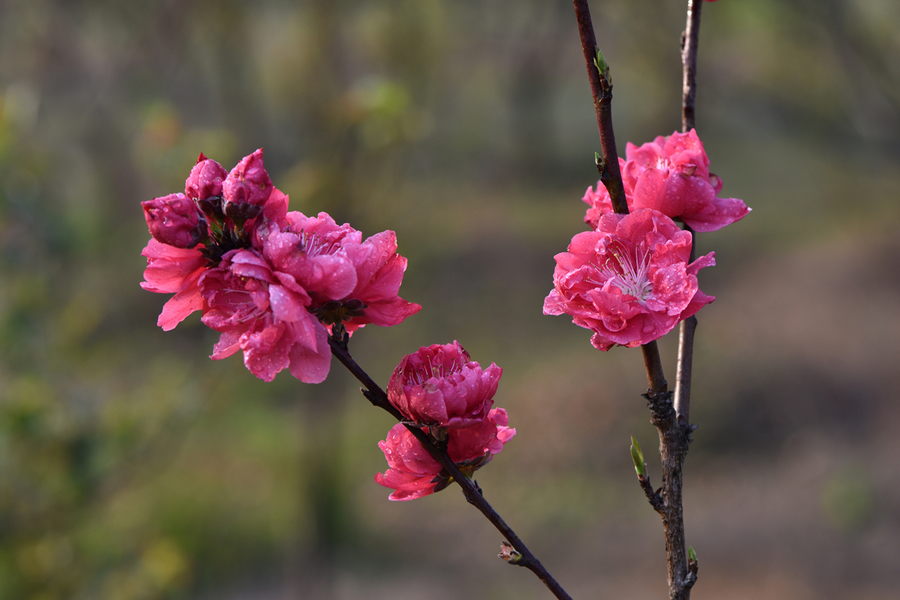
x=133, y=467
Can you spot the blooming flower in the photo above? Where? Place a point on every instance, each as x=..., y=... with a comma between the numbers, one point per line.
x=263, y=313
x=440, y=386
x=172, y=270
x=629, y=281
x=272, y=282
x=379, y=273
x=413, y=472
x=350, y=280
x=670, y=174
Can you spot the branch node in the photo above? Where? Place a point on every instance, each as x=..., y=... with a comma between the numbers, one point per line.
x=653, y=498
x=509, y=554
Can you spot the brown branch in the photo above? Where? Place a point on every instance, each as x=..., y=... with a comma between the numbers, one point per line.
x=673, y=446
x=689, y=43
x=685, y=370
x=685, y=356
x=672, y=419
x=601, y=90
x=470, y=489
x=656, y=380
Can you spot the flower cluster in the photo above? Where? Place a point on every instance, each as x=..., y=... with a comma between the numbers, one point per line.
x=273, y=283
x=630, y=280
x=450, y=397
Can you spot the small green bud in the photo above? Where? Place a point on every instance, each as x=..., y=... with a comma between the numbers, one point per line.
x=601, y=64
x=692, y=556
x=637, y=456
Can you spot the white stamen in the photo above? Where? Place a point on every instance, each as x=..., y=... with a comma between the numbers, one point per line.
x=627, y=274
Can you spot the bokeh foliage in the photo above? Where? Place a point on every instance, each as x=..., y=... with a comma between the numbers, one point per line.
x=132, y=467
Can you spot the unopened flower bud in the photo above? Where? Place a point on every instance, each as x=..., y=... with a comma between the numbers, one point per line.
x=248, y=182
x=175, y=220
x=205, y=180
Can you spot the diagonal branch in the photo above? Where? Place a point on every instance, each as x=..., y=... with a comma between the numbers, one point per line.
x=470, y=489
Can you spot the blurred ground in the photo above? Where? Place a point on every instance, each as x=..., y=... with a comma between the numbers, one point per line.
x=132, y=467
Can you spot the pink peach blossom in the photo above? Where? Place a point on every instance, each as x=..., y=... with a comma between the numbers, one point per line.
x=264, y=314
x=350, y=281
x=670, y=174
x=413, y=472
x=379, y=273
x=310, y=249
x=172, y=270
x=629, y=281
x=440, y=386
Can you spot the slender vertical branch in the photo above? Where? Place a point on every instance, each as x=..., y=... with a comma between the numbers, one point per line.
x=689, y=61
x=673, y=419
x=689, y=44
x=685, y=356
x=470, y=489
x=684, y=370
x=656, y=380
x=601, y=90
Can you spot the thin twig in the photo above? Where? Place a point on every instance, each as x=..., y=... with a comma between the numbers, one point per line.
x=685, y=370
x=689, y=61
x=653, y=496
x=601, y=90
x=473, y=494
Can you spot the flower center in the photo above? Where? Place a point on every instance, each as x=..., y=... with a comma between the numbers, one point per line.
x=435, y=366
x=628, y=271
x=313, y=244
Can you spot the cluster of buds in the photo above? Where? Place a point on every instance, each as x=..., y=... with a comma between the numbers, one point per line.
x=274, y=283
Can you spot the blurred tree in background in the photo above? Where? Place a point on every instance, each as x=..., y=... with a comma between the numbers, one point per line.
x=132, y=467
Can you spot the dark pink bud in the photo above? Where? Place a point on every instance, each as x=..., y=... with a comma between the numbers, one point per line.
x=175, y=220
x=205, y=180
x=248, y=182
